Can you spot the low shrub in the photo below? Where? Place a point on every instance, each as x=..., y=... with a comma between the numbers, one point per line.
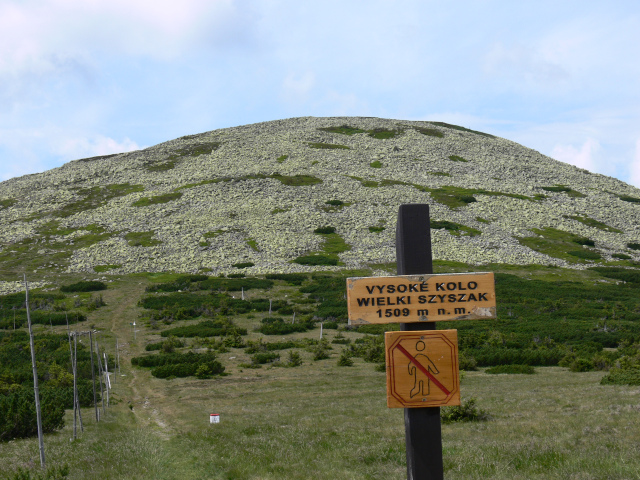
x=345, y=359
x=499, y=369
x=622, y=376
x=206, y=328
x=294, y=359
x=261, y=358
x=83, y=286
x=325, y=230
x=316, y=260
x=465, y=412
x=277, y=326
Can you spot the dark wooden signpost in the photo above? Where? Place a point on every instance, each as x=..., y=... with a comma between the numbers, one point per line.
x=418, y=298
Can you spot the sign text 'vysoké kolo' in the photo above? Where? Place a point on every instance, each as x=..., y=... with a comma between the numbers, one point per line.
x=421, y=298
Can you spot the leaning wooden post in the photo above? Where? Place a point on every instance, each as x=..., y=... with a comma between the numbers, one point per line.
x=93, y=376
x=106, y=374
x=100, y=375
x=36, y=390
x=423, y=434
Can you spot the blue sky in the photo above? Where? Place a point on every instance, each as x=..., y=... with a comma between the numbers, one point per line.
x=80, y=78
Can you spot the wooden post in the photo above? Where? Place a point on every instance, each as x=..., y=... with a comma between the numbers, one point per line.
x=36, y=390
x=93, y=376
x=75, y=383
x=423, y=435
x=75, y=403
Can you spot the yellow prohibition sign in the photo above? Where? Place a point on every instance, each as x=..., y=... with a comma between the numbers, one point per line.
x=422, y=368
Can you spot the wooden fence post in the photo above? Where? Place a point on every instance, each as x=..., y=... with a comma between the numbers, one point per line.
x=423, y=434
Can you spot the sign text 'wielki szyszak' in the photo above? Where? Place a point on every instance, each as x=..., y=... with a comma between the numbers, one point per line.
x=421, y=298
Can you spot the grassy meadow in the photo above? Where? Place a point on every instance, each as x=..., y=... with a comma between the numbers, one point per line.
x=324, y=421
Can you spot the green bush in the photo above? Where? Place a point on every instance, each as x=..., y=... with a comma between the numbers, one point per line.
x=206, y=328
x=325, y=230
x=83, y=286
x=316, y=260
x=18, y=413
x=290, y=278
x=277, y=326
x=261, y=358
x=244, y=264
x=345, y=359
x=466, y=412
x=294, y=359
x=622, y=376
x=633, y=246
x=586, y=254
x=499, y=369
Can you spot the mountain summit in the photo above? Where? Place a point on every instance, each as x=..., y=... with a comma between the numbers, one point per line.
x=287, y=195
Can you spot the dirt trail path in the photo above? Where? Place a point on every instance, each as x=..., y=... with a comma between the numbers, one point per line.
x=117, y=316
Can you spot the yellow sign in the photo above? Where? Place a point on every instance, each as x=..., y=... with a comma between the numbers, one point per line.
x=421, y=298
x=422, y=368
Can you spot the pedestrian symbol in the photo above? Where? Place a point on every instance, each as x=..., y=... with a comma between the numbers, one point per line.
x=422, y=368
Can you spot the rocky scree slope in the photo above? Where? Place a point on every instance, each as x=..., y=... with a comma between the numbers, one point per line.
x=249, y=199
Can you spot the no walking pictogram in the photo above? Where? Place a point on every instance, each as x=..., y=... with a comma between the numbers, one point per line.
x=422, y=368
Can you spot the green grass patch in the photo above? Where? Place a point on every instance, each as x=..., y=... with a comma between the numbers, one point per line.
x=628, y=198
x=84, y=286
x=282, y=158
x=376, y=164
x=622, y=256
x=280, y=210
x=161, y=167
x=328, y=146
x=157, y=199
x=455, y=228
x=204, y=182
x=633, y=246
x=325, y=230
x=455, y=197
x=105, y=268
x=244, y=264
x=316, y=260
x=195, y=150
x=457, y=158
x=430, y=132
x=296, y=180
x=383, y=133
x=253, y=245
x=461, y=129
x=97, y=197
x=376, y=229
x=564, y=189
x=482, y=220
x=7, y=203
x=558, y=244
x=141, y=239
x=591, y=222
x=334, y=205
x=343, y=130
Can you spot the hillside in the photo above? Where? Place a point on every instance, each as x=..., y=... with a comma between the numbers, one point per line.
x=249, y=199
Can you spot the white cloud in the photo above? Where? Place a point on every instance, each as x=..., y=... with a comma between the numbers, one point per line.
x=524, y=63
x=297, y=87
x=634, y=167
x=25, y=151
x=582, y=157
x=82, y=147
